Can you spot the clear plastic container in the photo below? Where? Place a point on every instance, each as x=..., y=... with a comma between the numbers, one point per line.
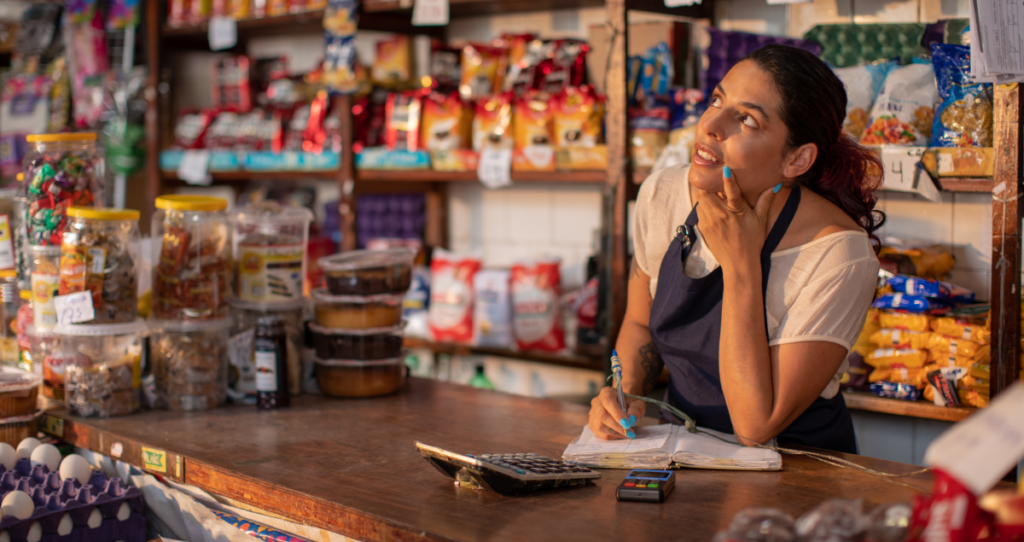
x=366, y=344
x=353, y=378
x=242, y=368
x=190, y=364
x=9, y=205
x=354, y=312
x=40, y=343
x=102, y=367
x=100, y=254
x=44, y=275
x=369, y=272
x=61, y=171
x=191, y=258
x=270, y=253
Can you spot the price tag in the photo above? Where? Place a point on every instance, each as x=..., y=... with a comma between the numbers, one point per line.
x=194, y=167
x=980, y=450
x=74, y=308
x=902, y=173
x=223, y=33
x=495, y=167
x=430, y=13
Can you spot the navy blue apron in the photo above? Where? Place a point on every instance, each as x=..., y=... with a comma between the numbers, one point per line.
x=686, y=323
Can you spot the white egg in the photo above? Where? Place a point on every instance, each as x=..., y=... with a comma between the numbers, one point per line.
x=8, y=456
x=26, y=447
x=77, y=467
x=35, y=533
x=5, y=537
x=124, y=512
x=95, y=518
x=65, y=526
x=46, y=454
x=18, y=504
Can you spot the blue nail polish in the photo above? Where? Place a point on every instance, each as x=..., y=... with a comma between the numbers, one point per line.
x=624, y=423
x=630, y=434
x=727, y=172
x=632, y=419
x=777, y=188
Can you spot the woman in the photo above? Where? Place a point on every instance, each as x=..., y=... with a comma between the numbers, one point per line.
x=754, y=266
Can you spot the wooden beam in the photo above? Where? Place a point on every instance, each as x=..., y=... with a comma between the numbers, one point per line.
x=346, y=174
x=1006, y=239
x=152, y=94
x=619, y=170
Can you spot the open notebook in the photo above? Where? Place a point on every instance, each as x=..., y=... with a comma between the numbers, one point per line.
x=659, y=446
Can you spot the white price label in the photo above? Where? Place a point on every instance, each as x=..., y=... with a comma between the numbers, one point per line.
x=74, y=308
x=223, y=33
x=495, y=167
x=902, y=173
x=430, y=13
x=194, y=167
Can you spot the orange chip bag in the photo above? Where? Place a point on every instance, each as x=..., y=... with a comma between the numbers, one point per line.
x=531, y=129
x=959, y=347
x=482, y=69
x=957, y=329
x=393, y=66
x=904, y=320
x=946, y=359
x=900, y=338
x=445, y=124
x=915, y=376
x=492, y=122
x=907, y=357
x=577, y=117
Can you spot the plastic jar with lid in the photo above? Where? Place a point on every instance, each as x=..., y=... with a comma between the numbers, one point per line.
x=191, y=262
x=10, y=300
x=101, y=366
x=270, y=253
x=61, y=171
x=44, y=281
x=190, y=364
x=100, y=254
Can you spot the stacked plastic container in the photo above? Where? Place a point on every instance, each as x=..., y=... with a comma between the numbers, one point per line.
x=357, y=334
x=190, y=308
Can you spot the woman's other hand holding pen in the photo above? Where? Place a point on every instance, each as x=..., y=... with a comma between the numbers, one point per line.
x=608, y=421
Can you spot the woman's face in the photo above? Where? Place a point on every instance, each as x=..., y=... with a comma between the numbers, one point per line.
x=741, y=129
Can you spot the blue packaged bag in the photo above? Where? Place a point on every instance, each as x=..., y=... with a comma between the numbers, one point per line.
x=964, y=118
x=895, y=390
x=911, y=303
x=936, y=289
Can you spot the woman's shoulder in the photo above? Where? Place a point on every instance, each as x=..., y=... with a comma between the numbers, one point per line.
x=671, y=183
x=818, y=219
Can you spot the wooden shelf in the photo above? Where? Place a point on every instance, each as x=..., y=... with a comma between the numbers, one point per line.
x=428, y=175
x=476, y=8
x=858, y=400
x=563, y=360
x=231, y=177
x=965, y=184
x=281, y=23
x=294, y=23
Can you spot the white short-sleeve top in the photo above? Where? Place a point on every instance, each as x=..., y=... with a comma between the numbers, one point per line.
x=819, y=291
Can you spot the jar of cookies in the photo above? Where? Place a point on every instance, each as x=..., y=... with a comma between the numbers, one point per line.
x=60, y=171
x=270, y=253
x=190, y=364
x=102, y=367
x=99, y=253
x=191, y=258
x=44, y=280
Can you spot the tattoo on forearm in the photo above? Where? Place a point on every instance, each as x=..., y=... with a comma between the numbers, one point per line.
x=652, y=365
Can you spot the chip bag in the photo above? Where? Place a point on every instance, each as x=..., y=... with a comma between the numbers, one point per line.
x=964, y=118
x=958, y=329
x=577, y=115
x=492, y=122
x=862, y=85
x=482, y=70
x=393, y=66
x=911, y=303
x=904, y=320
x=402, y=113
x=959, y=347
x=451, y=296
x=900, y=338
x=650, y=134
x=532, y=134
x=903, y=112
x=536, y=311
x=915, y=376
x=445, y=124
x=906, y=357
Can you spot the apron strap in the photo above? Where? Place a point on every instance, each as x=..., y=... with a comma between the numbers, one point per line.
x=774, y=238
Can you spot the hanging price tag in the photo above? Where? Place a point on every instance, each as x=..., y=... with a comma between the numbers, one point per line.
x=901, y=172
x=495, y=167
x=194, y=167
x=74, y=308
x=223, y=33
x=430, y=13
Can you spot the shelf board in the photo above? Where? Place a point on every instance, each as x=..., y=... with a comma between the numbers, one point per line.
x=563, y=360
x=290, y=21
x=476, y=8
x=231, y=177
x=859, y=400
x=429, y=175
x=294, y=23
x=965, y=184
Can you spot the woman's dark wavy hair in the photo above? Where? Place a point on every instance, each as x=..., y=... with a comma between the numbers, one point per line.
x=813, y=108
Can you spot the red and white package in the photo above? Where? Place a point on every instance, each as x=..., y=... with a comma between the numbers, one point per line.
x=950, y=514
x=536, y=314
x=451, y=296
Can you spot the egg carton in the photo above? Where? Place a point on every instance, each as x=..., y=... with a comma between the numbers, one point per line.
x=845, y=45
x=65, y=509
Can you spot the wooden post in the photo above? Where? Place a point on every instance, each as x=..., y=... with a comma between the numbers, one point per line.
x=152, y=94
x=1006, y=239
x=346, y=174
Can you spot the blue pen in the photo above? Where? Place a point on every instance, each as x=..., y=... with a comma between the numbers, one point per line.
x=617, y=371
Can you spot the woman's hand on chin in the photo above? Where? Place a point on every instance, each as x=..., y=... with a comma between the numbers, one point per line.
x=733, y=230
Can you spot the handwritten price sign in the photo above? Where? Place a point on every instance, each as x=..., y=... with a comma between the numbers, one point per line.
x=74, y=308
x=495, y=167
x=430, y=13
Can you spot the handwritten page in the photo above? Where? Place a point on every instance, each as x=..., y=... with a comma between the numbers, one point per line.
x=705, y=451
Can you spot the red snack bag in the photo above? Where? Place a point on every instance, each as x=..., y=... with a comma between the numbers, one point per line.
x=451, y=296
x=402, y=128
x=482, y=70
x=190, y=131
x=536, y=310
x=950, y=514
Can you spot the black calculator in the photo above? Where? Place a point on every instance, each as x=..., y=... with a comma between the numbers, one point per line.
x=646, y=486
x=507, y=474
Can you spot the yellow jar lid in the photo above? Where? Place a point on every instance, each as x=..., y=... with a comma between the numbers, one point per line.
x=8, y=273
x=184, y=202
x=103, y=213
x=20, y=177
x=46, y=138
x=25, y=294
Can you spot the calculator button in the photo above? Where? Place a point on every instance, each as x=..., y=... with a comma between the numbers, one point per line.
x=520, y=471
x=629, y=484
x=652, y=485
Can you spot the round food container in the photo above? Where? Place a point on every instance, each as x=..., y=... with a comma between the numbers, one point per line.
x=190, y=364
x=369, y=272
x=99, y=254
x=362, y=344
x=61, y=171
x=18, y=392
x=357, y=312
x=270, y=253
x=101, y=365
x=355, y=378
x=44, y=277
x=192, y=261
x=242, y=367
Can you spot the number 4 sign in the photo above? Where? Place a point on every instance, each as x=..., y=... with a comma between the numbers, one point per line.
x=430, y=13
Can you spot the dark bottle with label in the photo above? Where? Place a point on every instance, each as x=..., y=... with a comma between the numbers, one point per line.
x=271, y=353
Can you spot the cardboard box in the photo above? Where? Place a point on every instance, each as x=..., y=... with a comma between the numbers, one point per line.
x=959, y=161
x=642, y=36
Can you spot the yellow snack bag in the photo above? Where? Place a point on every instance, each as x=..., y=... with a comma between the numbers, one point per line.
x=577, y=118
x=492, y=122
x=900, y=338
x=958, y=347
x=393, y=66
x=864, y=344
x=904, y=320
x=917, y=377
x=532, y=134
x=957, y=329
x=907, y=357
x=445, y=123
x=947, y=359
x=482, y=69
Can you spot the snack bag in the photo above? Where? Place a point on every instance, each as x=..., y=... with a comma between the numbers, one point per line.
x=393, y=66
x=445, y=68
x=492, y=122
x=536, y=314
x=958, y=347
x=904, y=320
x=922, y=261
x=445, y=124
x=492, y=309
x=341, y=70
x=910, y=303
x=906, y=357
x=964, y=118
x=650, y=134
x=900, y=338
x=532, y=134
x=895, y=390
x=915, y=376
x=903, y=112
x=862, y=85
x=930, y=288
x=451, y=296
x=577, y=114
x=402, y=128
x=958, y=329
x=482, y=70
x=517, y=46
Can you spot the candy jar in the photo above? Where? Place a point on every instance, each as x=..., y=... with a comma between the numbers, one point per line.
x=61, y=171
x=190, y=364
x=99, y=254
x=192, y=259
x=102, y=367
x=270, y=253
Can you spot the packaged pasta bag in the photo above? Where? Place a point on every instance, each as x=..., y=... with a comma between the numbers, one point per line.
x=649, y=128
x=904, y=320
x=946, y=358
x=577, y=115
x=862, y=85
x=532, y=136
x=493, y=122
x=930, y=288
x=536, y=313
x=904, y=357
x=451, y=296
x=903, y=112
x=964, y=118
x=482, y=69
x=445, y=124
x=915, y=376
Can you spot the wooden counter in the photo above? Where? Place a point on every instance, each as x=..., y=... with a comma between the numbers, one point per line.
x=350, y=466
